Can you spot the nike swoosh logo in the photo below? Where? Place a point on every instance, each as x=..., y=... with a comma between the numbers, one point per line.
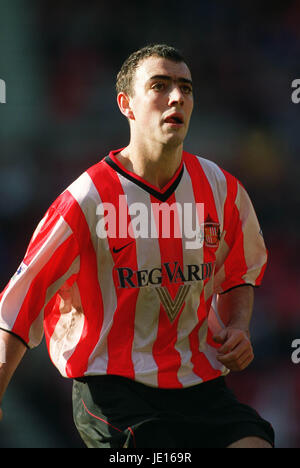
x=121, y=248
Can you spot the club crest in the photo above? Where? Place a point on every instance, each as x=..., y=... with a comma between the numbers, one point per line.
x=212, y=233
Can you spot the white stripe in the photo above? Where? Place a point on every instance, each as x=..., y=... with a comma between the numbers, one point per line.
x=87, y=196
x=209, y=351
x=215, y=322
x=217, y=181
x=36, y=329
x=20, y=284
x=65, y=338
x=2, y=351
x=188, y=319
x=147, y=305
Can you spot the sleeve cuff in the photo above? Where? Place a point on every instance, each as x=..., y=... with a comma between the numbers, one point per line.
x=17, y=336
x=239, y=286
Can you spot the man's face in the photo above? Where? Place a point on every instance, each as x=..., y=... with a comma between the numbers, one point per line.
x=162, y=101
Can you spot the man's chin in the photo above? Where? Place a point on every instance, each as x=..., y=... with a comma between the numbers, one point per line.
x=174, y=140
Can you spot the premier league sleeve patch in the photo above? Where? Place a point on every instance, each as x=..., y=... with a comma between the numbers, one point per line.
x=20, y=270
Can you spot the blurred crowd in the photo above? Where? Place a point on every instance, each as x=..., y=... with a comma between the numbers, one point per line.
x=59, y=60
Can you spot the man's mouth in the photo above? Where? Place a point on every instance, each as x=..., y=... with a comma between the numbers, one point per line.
x=174, y=119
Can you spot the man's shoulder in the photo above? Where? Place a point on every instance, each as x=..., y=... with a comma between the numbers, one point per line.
x=82, y=187
x=209, y=166
x=221, y=181
x=92, y=176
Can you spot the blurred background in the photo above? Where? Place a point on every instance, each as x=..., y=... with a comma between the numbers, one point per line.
x=59, y=60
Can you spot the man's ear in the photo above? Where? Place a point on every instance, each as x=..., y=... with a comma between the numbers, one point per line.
x=124, y=105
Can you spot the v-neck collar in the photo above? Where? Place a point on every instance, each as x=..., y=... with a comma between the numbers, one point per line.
x=162, y=194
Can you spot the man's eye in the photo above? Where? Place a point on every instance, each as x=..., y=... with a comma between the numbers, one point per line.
x=158, y=86
x=186, y=89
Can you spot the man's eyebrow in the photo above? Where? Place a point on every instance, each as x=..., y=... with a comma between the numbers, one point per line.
x=169, y=78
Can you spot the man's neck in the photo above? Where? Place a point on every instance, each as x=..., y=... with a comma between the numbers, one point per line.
x=156, y=166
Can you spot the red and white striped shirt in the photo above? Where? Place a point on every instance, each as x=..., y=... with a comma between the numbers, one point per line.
x=132, y=305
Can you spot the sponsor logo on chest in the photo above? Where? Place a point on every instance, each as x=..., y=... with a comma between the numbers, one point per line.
x=171, y=273
x=160, y=277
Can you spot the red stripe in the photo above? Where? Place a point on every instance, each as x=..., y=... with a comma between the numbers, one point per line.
x=228, y=207
x=88, y=285
x=203, y=194
x=235, y=265
x=34, y=300
x=121, y=335
x=44, y=231
x=133, y=436
x=97, y=417
x=108, y=424
x=167, y=358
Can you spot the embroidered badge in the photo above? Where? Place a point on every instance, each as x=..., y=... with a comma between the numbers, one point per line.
x=212, y=233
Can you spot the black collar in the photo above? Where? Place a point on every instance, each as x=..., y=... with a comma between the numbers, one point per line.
x=162, y=196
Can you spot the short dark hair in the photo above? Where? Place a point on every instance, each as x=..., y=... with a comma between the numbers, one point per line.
x=126, y=74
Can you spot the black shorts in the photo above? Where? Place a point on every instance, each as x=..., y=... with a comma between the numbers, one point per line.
x=115, y=412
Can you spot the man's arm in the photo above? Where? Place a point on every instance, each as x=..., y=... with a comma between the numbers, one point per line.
x=12, y=352
x=235, y=309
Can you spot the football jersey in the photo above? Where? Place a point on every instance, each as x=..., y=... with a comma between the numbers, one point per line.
x=117, y=288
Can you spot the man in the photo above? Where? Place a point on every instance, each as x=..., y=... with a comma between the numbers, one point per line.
x=145, y=313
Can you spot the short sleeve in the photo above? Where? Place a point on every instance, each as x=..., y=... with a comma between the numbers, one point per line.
x=52, y=258
x=242, y=254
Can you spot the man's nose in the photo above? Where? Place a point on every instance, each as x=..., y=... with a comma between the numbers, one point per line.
x=176, y=96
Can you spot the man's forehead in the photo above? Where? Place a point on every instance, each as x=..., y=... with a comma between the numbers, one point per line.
x=153, y=66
